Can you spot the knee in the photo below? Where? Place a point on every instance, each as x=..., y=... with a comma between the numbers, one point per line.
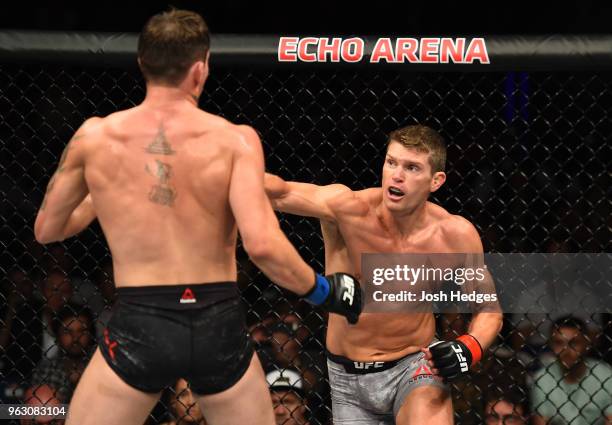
x=428, y=404
x=436, y=397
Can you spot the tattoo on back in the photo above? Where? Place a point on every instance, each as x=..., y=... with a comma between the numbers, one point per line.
x=160, y=145
x=162, y=193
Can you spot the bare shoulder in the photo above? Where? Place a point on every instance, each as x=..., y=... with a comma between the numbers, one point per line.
x=117, y=117
x=343, y=200
x=87, y=134
x=213, y=121
x=460, y=233
x=459, y=226
x=338, y=191
x=90, y=126
x=237, y=138
x=247, y=135
x=372, y=195
x=112, y=124
x=92, y=123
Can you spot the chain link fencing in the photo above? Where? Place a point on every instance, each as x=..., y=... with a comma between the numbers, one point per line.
x=528, y=164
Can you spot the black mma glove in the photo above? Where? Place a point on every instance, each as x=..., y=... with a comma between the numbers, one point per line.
x=339, y=293
x=454, y=359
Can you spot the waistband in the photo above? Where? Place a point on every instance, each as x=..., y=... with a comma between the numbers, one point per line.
x=361, y=368
x=179, y=297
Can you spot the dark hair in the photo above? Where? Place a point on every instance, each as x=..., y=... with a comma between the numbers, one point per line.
x=170, y=43
x=514, y=396
x=283, y=327
x=423, y=139
x=72, y=311
x=569, y=322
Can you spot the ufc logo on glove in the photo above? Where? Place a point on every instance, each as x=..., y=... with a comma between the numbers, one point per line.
x=349, y=294
x=462, y=360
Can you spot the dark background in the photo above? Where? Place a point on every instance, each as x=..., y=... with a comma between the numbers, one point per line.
x=527, y=150
x=320, y=17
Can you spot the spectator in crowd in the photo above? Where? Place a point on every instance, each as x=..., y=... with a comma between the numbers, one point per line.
x=573, y=389
x=552, y=299
x=284, y=341
x=284, y=313
x=466, y=393
x=97, y=291
x=56, y=290
x=505, y=407
x=293, y=321
x=499, y=368
x=260, y=332
x=284, y=350
x=183, y=407
x=288, y=397
x=285, y=345
x=56, y=257
x=105, y=283
x=74, y=328
x=42, y=395
x=20, y=328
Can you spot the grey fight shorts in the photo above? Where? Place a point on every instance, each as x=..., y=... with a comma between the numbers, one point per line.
x=372, y=393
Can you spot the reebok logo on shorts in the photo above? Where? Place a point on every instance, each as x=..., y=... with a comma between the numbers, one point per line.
x=187, y=297
x=422, y=370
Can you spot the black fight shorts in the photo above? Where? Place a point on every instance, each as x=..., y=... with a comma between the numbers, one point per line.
x=158, y=334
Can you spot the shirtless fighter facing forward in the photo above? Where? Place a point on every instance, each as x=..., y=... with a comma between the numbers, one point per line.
x=170, y=184
x=394, y=218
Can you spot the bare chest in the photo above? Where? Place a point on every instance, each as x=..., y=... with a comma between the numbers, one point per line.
x=367, y=235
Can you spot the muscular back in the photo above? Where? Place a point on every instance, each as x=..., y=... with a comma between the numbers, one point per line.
x=159, y=180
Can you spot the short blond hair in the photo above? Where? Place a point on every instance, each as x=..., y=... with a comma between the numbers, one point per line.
x=423, y=139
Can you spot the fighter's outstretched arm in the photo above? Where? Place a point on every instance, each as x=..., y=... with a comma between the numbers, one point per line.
x=305, y=199
x=67, y=209
x=267, y=245
x=261, y=235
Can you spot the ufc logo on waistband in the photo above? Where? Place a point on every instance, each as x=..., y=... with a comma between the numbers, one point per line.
x=462, y=360
x=350, y=289
x=368, y=365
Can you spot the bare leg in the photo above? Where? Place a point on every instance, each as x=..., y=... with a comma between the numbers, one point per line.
x=103, y=398
x=429, y=405
x=247, y=402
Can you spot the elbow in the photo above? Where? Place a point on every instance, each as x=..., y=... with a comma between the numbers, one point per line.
x=42, y=234
x=275, y=187
x=42, y=237
x=39, y=232
x=259, y=249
